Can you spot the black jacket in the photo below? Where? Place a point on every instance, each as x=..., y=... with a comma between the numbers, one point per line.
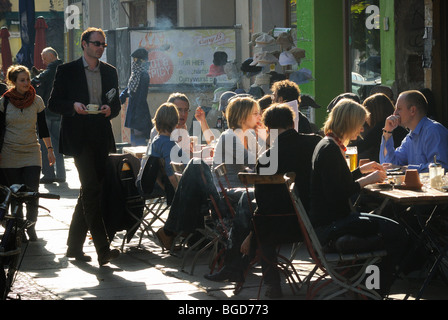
x=70, y=86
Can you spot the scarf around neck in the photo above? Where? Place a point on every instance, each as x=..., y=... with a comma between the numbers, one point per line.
x=134, y=80
x=21, y=101
x=338, y=141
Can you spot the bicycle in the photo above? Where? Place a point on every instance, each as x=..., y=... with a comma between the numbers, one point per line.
x=14, y=226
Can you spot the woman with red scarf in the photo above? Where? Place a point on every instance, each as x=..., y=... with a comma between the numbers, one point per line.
x=333, y=185
x=20, y=156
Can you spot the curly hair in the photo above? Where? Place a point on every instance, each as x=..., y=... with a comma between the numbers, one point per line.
x=286, y=89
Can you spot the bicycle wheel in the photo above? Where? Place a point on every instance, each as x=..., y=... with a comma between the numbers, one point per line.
x=11, y=263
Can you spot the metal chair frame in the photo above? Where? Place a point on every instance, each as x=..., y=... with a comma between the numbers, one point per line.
x=346, y=271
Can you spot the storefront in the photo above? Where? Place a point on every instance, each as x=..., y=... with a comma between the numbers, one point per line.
x=354, y=45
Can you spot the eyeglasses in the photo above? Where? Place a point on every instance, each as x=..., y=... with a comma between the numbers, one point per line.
x=97, y=43
x=181, y=110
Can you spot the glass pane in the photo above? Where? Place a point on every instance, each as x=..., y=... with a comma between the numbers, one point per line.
x=365, y=51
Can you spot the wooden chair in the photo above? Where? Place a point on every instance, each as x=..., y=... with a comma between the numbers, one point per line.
x=283, y=264
x=345, y=271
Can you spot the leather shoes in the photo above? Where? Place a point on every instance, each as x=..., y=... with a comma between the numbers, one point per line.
x=47, y=180
x=225, y=275
x=164, y=240
x=108, y=256
x=79, y=256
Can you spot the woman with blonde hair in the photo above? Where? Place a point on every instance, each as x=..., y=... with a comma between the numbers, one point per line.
x=333, y=185
x=238, y=146
x=22, y=113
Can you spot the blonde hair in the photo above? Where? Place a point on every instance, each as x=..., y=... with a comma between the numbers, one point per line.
x=345, y=118
x=13, y=73
x=166, y=117
x=238, y=110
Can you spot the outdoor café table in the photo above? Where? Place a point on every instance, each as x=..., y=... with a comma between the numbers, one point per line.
x=137, y=152
x=429, y=198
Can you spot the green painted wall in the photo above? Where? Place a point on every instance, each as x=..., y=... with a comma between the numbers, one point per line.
x=320, y=33
x=387, y=42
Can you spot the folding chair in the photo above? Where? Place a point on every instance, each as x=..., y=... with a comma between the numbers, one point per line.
x=345, y=271
x=212, y=233
x=156, y=191
x=282, y=263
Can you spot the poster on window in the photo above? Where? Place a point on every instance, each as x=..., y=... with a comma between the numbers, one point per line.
x=188, y=57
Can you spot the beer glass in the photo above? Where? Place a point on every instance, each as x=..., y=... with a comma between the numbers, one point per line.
x=351, y=155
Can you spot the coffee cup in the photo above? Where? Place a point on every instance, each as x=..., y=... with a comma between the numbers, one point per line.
x=92, y=107
x=411, y=178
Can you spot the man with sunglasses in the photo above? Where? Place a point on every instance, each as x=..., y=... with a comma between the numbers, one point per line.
x=87, y=136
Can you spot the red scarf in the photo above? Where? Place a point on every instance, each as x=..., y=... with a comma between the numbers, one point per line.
x=338, y=141
x=21, y=101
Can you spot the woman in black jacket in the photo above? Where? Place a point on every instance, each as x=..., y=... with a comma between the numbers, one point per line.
x=332, y=186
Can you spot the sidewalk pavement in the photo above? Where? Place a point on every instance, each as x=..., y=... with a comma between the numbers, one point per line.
x=144, y=273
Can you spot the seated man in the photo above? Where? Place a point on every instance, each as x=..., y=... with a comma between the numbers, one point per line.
x=426, y=140
x=288, y=92
x=294, y=152
x=182, y=104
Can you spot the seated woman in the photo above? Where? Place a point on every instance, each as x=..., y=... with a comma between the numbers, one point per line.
x=379, y=107
x=165, y=121
x=236, y=147
x=332, y=185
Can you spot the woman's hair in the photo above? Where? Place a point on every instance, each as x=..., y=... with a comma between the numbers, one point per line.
x=345, y=118
x=238, y=110
x=13, y=73
x=278, y=116
x=265, y=102
x=380, y=107
x=178, y=96
x=166, y=117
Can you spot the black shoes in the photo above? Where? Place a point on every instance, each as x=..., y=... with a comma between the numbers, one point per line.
x=45, y=180
x=108, y=256
x=79, y=256
x=226, y=274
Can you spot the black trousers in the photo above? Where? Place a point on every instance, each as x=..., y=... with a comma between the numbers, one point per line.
x=88, y=213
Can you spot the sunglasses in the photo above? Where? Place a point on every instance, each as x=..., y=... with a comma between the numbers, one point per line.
x=97, y=43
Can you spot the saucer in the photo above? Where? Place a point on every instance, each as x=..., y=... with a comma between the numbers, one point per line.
x=93, y=112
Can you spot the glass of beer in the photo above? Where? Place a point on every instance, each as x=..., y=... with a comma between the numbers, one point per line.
x=351, y=155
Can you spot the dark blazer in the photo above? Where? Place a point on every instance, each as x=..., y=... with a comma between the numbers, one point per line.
x=70, y=86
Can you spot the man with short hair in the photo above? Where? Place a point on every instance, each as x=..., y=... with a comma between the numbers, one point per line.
x=43, y=83
x=426, y=140
x=87, y=136
x=182, y=104
x=287, y=91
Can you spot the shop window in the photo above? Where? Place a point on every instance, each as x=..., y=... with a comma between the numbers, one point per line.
x=365, y=51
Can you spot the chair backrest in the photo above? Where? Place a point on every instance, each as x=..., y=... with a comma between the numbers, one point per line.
x=309, y=235
x=272, y=227
x=152, y=171
x=178, y=168
x=221, y=173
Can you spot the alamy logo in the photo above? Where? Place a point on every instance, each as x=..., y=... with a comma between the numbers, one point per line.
x=72, y=17
x=231, y=150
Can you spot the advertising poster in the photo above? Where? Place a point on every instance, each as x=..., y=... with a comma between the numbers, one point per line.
x=186, y=57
